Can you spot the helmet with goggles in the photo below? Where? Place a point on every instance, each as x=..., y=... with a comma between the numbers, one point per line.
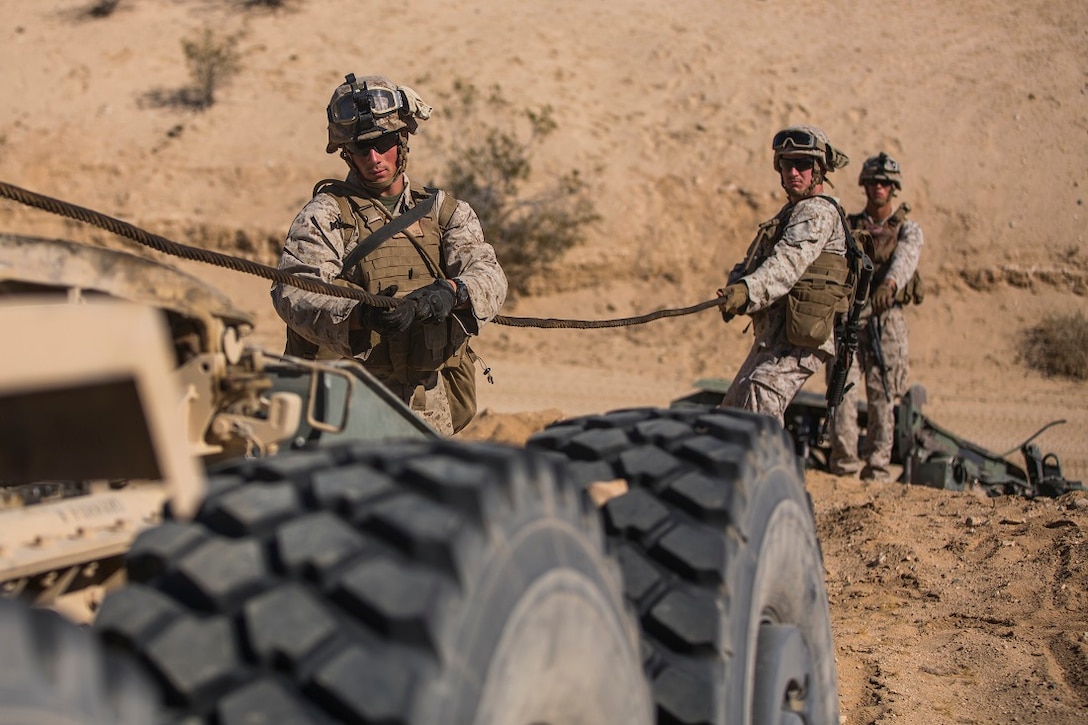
x=881, y=168
x=366, y=108
x=799, y=141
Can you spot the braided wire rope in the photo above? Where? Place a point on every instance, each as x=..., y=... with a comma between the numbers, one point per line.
x=307, y=284
x=184, y=251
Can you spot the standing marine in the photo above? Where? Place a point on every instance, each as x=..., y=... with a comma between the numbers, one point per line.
x=795, y=281
x=894, y=243
x=378, y=231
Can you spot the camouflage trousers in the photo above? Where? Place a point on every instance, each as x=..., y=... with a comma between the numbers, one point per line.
x=875, y=454
x=770, y=377
x=428, y=399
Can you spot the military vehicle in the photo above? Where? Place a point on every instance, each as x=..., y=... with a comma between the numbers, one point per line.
x=305, y=550
x=70, y=504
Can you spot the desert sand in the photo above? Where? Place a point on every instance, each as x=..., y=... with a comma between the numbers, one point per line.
x=947, y=608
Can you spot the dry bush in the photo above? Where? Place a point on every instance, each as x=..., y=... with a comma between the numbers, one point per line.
x=212, y=59
x=489, y=164
x=271, y=4
x=102, y=8
x=94, y=10
x=1058, y=346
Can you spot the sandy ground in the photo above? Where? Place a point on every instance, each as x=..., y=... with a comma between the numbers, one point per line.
x=947, y=608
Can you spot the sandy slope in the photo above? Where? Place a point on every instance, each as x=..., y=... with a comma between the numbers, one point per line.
x=667, y=109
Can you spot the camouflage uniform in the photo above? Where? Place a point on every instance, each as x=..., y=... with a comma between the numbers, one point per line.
x=417, y=347
x=319, y=251
x=775, y=370
x=880, y=430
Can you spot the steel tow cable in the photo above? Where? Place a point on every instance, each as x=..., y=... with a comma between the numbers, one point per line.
x=307, y=284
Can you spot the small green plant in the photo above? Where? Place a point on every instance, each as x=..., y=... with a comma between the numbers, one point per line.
x=488, y=166
x=1059, y=346
x=212, y=59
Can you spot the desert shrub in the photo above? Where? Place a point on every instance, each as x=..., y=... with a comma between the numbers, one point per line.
x=212, y=59
x=489, y=165
x=1059, y=346
x=102, y=8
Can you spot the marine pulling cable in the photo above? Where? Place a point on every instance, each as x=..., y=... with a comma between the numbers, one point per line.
x=307, y=284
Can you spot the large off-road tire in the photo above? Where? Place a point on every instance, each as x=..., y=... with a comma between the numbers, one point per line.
x=425, y=583
x=54, y=672
x=717, y=542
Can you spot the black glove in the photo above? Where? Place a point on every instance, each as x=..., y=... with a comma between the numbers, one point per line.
x=435, y=301
x=390, y=320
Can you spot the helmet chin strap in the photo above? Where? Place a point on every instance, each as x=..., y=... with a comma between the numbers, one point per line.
x=818, y=177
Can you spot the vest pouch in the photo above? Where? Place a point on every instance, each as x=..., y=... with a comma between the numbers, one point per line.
x=883, y=247
x=459, y=375
x=914, y=291
x=427, y=346
x=816, y=300
x=431, y=345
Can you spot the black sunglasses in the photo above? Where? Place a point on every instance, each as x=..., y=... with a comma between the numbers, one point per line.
x=804, y=164
x=381, y=144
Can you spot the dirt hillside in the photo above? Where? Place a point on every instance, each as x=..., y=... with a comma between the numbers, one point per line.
x=948, y=608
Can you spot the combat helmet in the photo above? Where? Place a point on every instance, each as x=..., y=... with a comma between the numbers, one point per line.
x=881, y=168
x=365, y=108
x=807, y=141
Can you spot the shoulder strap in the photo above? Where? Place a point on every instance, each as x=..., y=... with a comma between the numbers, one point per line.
x=338, y=187
x=852, y=247
x=899, y=216
x=342, y=190
x=861, y=266
x=446, y=210
x=381, y=235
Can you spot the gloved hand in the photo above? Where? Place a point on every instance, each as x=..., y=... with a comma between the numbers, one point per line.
x=734, y=298
x=435, y=301
x=883, y=297
x=390, y=320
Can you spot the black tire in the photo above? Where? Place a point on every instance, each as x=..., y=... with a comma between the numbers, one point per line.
x=717, y=543
x=55, y=672
x=427, y=583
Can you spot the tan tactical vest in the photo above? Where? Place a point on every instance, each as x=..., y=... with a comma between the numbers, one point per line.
x=410, y=259
x=823, y=292
x=883, y=238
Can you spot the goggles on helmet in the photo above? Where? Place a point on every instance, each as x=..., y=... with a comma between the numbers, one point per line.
x=882, y=163
x=363, y=103
x=796, y=138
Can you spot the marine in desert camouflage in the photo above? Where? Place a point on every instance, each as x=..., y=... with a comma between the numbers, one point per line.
x=437, y=269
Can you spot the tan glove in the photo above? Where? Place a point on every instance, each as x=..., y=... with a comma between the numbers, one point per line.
x=734, y=298
x=884, y=297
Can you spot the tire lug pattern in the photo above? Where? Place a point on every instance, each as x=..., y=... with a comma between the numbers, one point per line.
x=336, y=585
x=680, y=533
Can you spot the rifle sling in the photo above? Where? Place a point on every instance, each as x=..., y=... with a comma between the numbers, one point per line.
x=380, y=236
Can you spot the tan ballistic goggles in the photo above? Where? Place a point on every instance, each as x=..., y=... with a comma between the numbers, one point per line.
x=362, y=103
